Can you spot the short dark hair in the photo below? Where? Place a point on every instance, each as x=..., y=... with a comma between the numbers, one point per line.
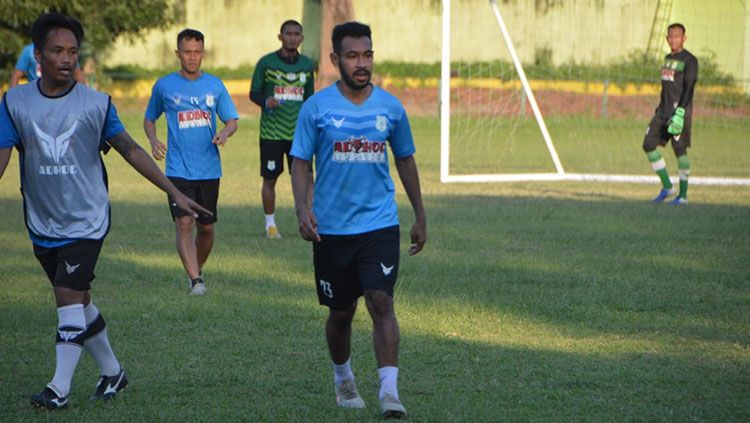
x=349, y=29
x=290, y=22
x=189, y=34
x=50, y=21
x=677, y=25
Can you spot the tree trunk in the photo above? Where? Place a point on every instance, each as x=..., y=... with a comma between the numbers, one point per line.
x=333, y=12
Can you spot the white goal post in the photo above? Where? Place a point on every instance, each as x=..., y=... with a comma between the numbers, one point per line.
x=560, y=174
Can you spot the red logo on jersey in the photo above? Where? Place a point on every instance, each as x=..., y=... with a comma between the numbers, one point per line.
x=667, y=74
x=193, y=118
x=359, y=149
x=289, y=93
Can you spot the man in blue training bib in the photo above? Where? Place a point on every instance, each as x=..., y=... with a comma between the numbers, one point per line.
x=354, y=222
x=60, y=128
x=191, y=100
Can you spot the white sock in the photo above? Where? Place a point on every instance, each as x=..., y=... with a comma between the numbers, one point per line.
x=270, y=220
x=98, y=344
x=342, y=372
x=388, y=381
x=70, y=332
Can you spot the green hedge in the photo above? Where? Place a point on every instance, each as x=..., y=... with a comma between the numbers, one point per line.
x=132, y=73
x=634, y=68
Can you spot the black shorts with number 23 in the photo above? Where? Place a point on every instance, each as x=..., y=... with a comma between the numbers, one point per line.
x=347, y=265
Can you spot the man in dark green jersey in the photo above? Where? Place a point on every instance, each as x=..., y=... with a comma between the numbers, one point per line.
x=282, y=80
x=672, y=119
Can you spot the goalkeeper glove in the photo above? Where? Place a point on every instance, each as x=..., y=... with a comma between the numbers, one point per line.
x=677, y=122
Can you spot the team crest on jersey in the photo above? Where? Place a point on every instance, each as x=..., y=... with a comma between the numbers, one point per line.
x=209, y=100
x=359, y=149
x=381, y=123
x=54, y=147
x=302, y=77
x=193, y=119
x=176, y=99
x=291, y=76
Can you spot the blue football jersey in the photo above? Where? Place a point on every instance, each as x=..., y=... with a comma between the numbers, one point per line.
x=354, y=192
x=191, y=108
x=27, y=63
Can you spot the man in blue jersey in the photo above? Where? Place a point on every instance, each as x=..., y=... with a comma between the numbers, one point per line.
x=191, y=100
x=27, y=66
x=354, y=222
x=60, y=128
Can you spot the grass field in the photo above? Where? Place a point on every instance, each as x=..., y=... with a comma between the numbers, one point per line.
x=531, y=301
x=592, y=145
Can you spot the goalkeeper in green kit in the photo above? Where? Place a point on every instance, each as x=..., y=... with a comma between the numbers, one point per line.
x=673, y=117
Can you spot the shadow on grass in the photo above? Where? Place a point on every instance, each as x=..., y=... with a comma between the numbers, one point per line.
x=253, y=348
x=584, y=263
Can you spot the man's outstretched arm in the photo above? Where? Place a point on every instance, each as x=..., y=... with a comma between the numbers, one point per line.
x=140, y=161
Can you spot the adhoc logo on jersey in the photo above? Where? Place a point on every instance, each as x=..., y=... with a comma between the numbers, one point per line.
x=55, y=147
x=359, y=149
x=193, y=118
x=289, y=93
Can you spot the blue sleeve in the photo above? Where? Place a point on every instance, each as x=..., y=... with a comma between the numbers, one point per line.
x=402, y=141
x=8, y=134
x=155, y=105
x=225, y=107
x=113, y=125
x=305, y=133
x=22, y=63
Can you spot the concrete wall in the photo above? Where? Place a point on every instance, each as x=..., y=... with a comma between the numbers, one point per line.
x=238, y=32
x=586, y=31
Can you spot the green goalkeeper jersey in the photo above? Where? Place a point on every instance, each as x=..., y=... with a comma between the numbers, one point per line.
x=290, y=82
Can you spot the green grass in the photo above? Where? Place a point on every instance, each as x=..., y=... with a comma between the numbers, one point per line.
x=531, y=301
x=591, y=145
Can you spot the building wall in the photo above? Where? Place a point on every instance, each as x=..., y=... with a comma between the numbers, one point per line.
x=238, y=32
x=585, y=31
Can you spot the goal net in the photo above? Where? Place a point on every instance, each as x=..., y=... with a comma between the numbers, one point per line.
x=550, y=90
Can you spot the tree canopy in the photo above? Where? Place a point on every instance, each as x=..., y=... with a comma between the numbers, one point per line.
x=103, y=21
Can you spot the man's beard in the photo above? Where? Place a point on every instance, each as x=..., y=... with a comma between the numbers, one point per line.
x=349, y=80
